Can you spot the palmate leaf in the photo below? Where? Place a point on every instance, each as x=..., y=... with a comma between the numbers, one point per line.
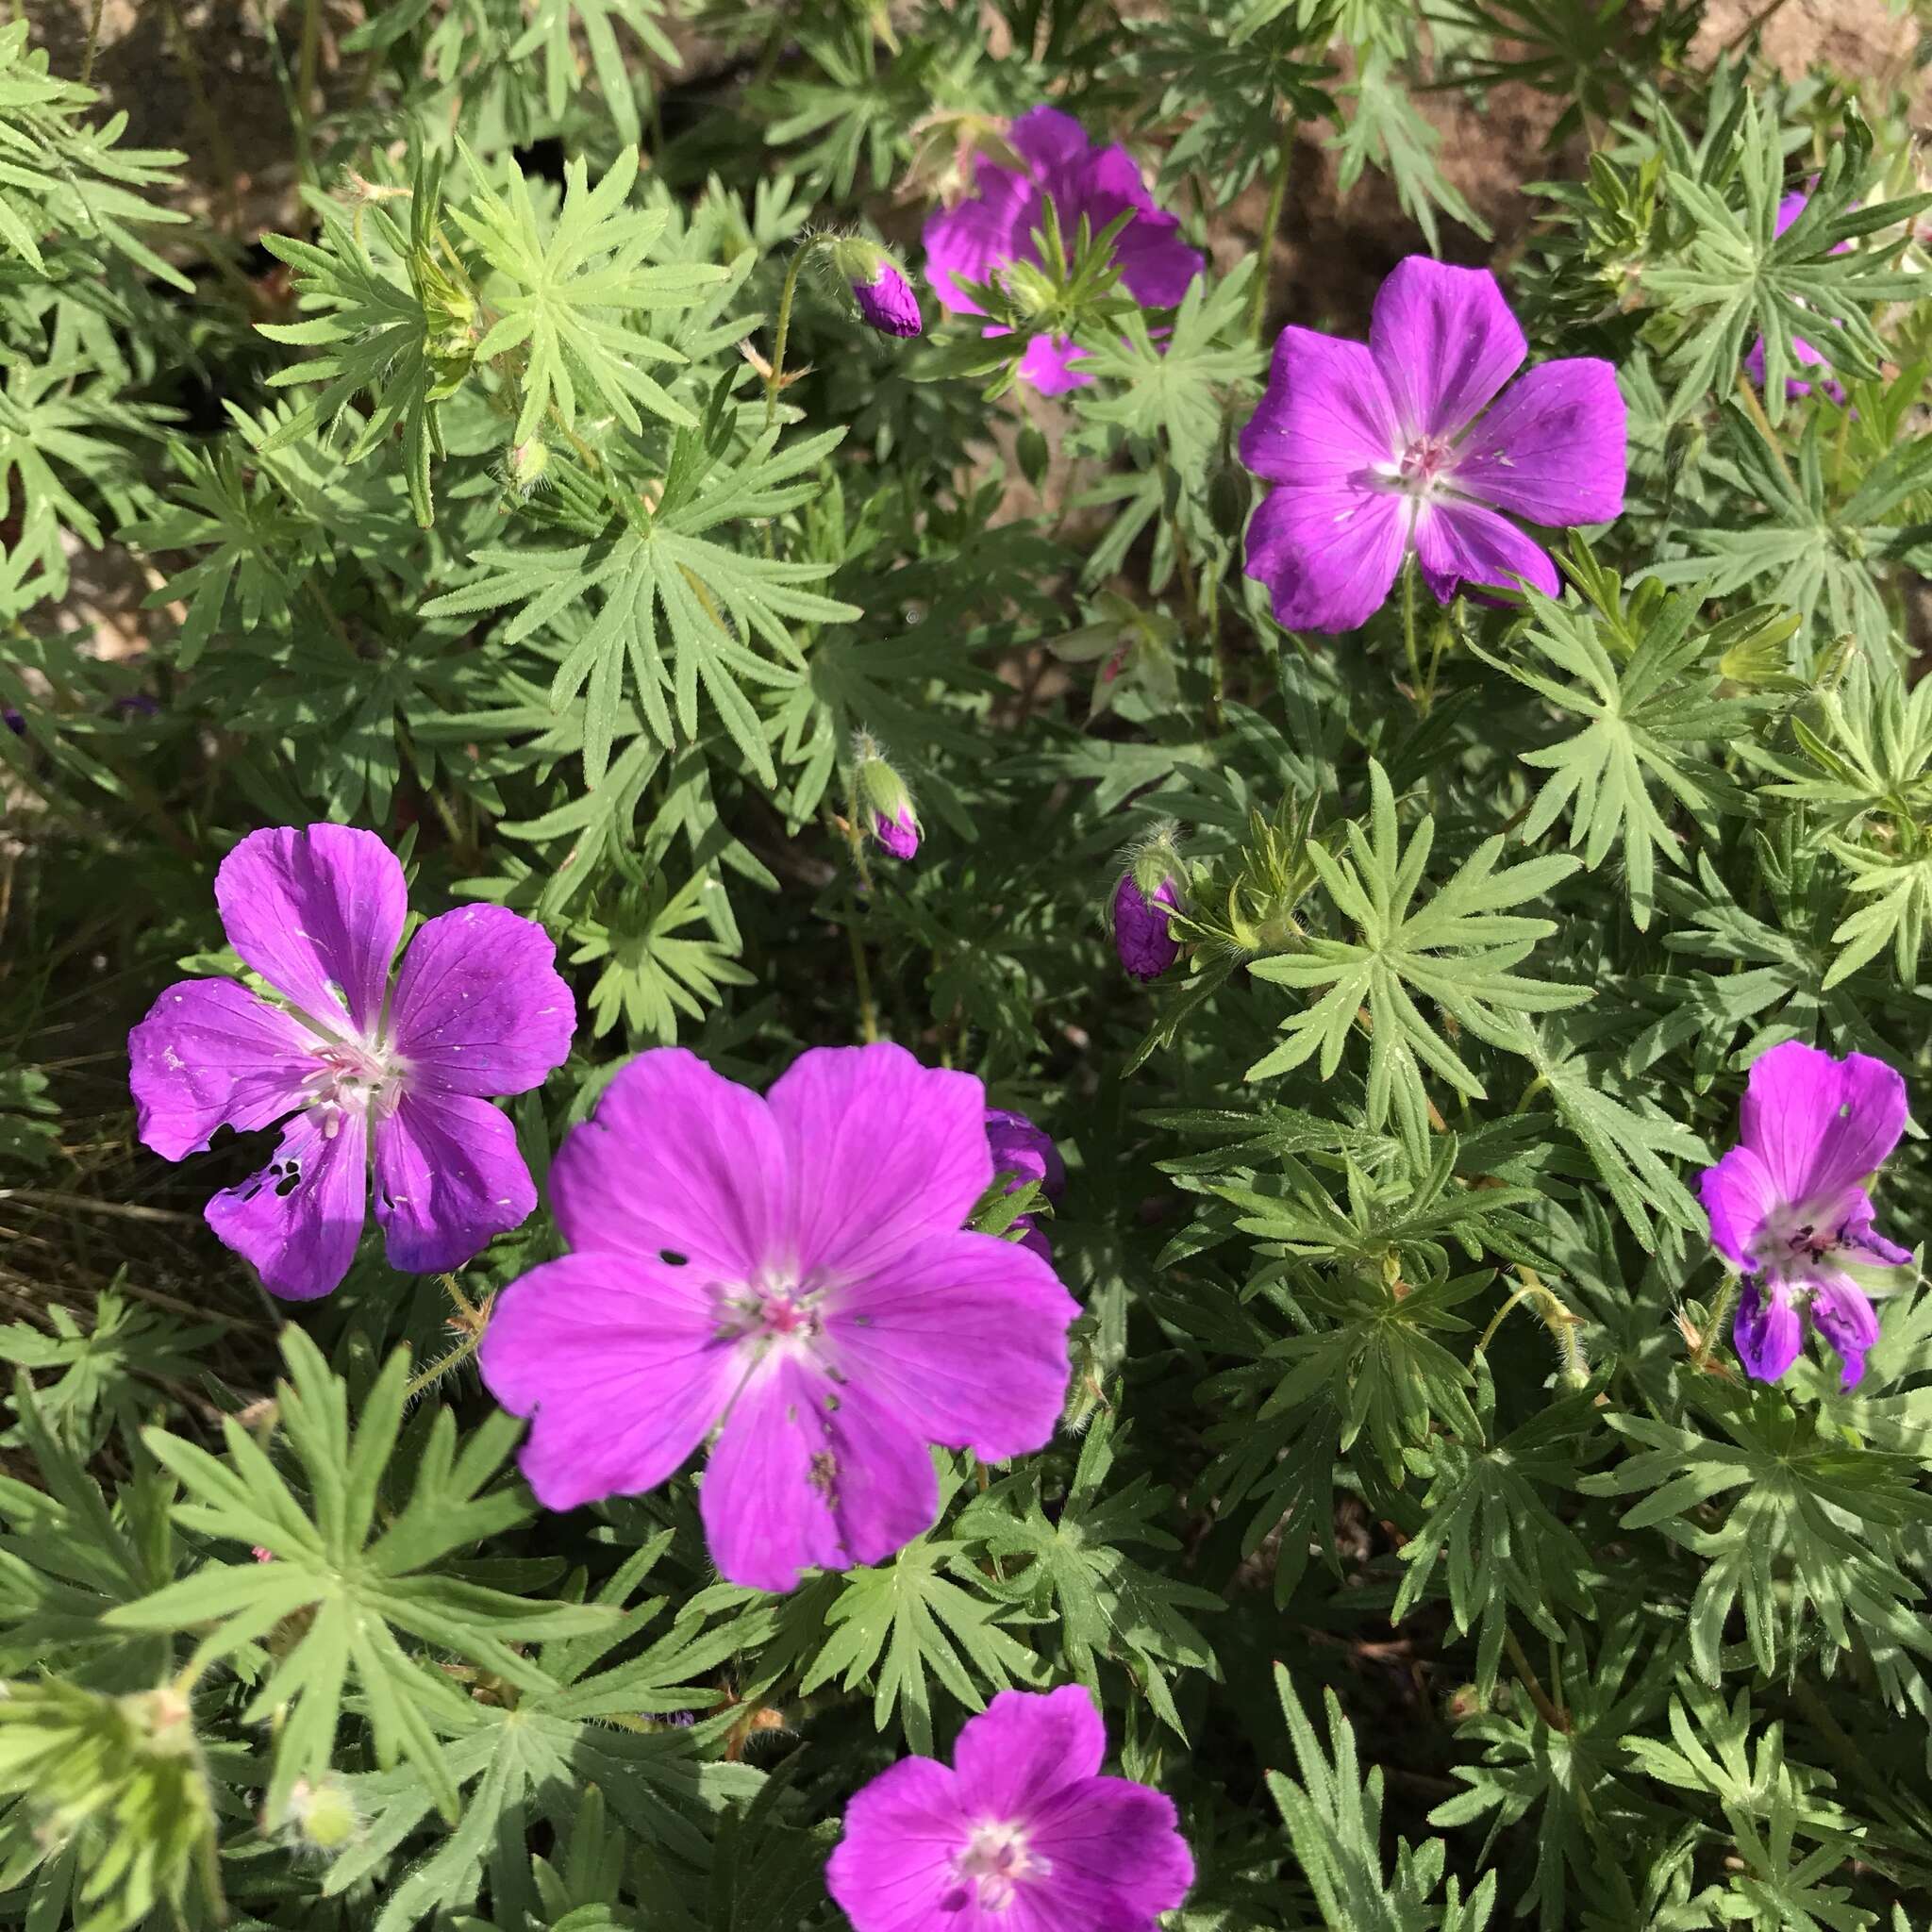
x=1489, y=1528
x=1631, y=1141
x=1334, y=1821
x=1385, y=129
x=1816, y=547
x=1734, y=280
x=1456, y=949
x=907, y=1622
x=379, y=313
x=1648, y=703
x=553, y=25
x=711, y=598
x=566, y=288
x=345, y=1583
x=652, y=968
x=523, y=1754
x=1070, y=1569
x=1571, y=1774
x=1812, y=1537
x=1180, y=385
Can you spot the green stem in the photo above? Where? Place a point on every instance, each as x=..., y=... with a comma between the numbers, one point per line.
x=305, y=81
x=1409, y=645
x=776, y=380
x=1277, y=197
x=862, y=973
x=94, y=41
x=1552, y=1714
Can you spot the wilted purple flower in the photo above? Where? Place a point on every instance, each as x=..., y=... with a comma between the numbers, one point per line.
x=888, y=303
x=1026, y=1153
x=1789, y=210
x=1140, y=936
x=790, y=1272
x=970, y=243
x=1788, y=1204
x=900, y=835
x=14, y=722
x=1022, y=1834
x=404, y=1074
x=1403, y=442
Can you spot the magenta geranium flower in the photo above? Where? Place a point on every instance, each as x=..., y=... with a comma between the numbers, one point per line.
x=1022, y=1834
x=790, y=1273
x=973, y=242
x=1789, y=1206
x=1023, y=1152
x=1789, y=210
x=359, y=1072
x=1404, y=444
x=899, y=834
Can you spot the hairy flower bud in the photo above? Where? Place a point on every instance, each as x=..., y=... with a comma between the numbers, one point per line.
x=1140, y=935
x=885, y=297
x=885, y=806
x=322, y=1815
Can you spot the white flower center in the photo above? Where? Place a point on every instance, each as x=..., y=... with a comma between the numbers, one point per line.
x=355, y=1077
x=1422, y=466
x=995, y=1863
x=1796, y=1237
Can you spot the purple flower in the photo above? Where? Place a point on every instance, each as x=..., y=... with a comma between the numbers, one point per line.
x=790, y=1272
x=1403, y=442
x=1789, y=210
x=1022, y=1834
x=900, y=835
x=1787, y=1205
x=969, y=243
x=887, y=301
x=1026, y=1153
x=401, y=1074
x=1140, y=928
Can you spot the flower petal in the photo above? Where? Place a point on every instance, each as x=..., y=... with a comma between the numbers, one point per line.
x=1025, y=1150
x=1445, y=343
x=1862, y=1242
x=810, y=1474
x=1116, y=1854
x=1326, y=419
x=479, y=1006
x=1463, y=544
x=675, y=1159
x=896, y=1858
x=964, y=1339
x=1842, y=1314
x=1049, y=140
x=1767, y=1333
x=881, y=1152
x=298, y=1220
x=1553, y=447
x=1155, y=263
x=979, y=236
x=449, y=1179
x=1025, y=1748
x=619, y=1364
x=211, y=1055
x=1329, y=557
x=1821, y=1125
x=317, y=912
x=1738, y=1194
x=1048, y=364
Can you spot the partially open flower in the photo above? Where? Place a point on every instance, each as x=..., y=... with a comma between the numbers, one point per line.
x=1148, y=890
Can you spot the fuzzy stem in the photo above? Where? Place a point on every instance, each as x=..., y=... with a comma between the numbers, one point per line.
x=862, y=973
x=1755, y=408
x=1277, y=196
x=774, y=381
x=1553, y=1313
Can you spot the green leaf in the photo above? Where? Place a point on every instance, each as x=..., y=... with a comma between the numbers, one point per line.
x=1456, y=949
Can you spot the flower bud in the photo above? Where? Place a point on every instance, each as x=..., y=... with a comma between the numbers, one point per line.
x=885, y=806
x=528, y=461
x=883, y=296
x=1141, y=932
x=322, y=1816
